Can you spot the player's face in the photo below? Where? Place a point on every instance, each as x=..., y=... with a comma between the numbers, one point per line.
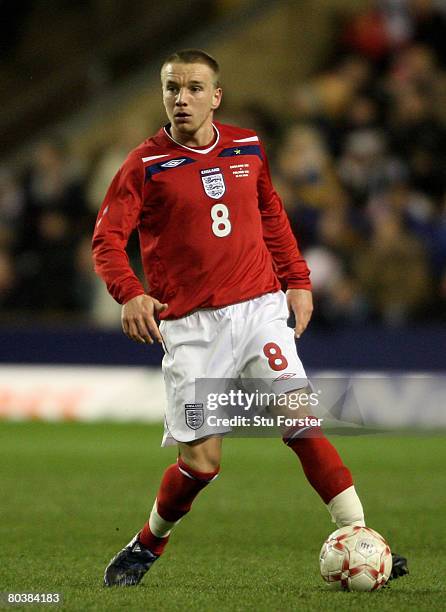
x=190, y=98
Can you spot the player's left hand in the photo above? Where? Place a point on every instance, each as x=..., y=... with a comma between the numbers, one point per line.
x=300, y=302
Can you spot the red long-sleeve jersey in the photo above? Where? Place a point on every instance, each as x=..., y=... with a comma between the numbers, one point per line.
x=212, y=229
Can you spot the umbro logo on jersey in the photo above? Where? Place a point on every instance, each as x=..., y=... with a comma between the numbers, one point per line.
x=213, y=182
x=173, y=163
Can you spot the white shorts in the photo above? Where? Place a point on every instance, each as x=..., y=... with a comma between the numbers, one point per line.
x=249, y=340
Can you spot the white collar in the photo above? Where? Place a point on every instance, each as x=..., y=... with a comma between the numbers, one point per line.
x=202, y=151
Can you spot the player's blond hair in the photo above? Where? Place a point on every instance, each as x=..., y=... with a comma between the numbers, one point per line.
x=194, y=56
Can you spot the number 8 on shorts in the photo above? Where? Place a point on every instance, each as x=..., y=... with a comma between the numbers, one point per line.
x=276, y=360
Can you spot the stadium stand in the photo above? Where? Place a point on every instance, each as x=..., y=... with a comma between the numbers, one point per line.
x=358, y=152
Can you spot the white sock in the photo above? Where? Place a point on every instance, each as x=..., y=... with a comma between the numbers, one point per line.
x=346, y=508
x=158, y=526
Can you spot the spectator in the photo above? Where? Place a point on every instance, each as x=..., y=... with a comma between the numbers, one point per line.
x=54, y=212
x=128, y=134
x=47, y=270
x=305, y=162
x=366, y=167
x=418, y=138
x=429, y=26
x=11, y=208
x=7, y=279
x=327, y=96
x=90, y=292
x=378, y=31
x=393, y=271
x=339, y=300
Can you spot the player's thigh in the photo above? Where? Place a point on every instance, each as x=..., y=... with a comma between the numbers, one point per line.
x=270, y=352
x=296, y=404
x=197, y=356
x=203, y=455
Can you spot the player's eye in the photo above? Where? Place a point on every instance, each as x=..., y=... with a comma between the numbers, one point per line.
x=196, y=88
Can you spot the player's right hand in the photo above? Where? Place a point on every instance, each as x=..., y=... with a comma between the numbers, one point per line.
x=138, y=319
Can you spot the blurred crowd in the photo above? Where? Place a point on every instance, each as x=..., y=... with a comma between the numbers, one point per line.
x=358, y=158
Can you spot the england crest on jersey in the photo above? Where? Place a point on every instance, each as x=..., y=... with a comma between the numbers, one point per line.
x=213, y=182
x=194, y=415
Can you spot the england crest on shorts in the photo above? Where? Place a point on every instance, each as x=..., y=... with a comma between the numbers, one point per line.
x=213, y=182
x=194, y=415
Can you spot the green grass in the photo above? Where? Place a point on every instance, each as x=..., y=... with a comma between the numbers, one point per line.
x=73, y=494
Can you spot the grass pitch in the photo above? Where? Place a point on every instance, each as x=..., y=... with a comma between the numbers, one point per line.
x=73, y=494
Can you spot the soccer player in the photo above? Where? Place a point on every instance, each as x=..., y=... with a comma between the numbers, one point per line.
x=216, y=247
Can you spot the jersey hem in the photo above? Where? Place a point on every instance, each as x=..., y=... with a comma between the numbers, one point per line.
x=207, y=308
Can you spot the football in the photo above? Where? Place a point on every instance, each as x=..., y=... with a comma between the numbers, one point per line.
x=355, y=559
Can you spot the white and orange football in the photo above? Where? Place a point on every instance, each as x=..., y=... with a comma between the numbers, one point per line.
x=355, y=559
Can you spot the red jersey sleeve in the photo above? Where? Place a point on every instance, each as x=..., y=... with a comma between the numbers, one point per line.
x=290, y=265
x=116, y=220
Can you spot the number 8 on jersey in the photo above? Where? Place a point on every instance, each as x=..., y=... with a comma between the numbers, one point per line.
x=221, y=225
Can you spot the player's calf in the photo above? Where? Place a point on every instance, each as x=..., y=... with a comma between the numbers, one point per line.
x=327, y=474
x=179, y=487
x=333, y=481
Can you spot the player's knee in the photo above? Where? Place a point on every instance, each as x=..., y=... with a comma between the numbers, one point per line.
x=204, y=457
x=201, y=459
x=211, y=465
x=298, y=403
x=203, y=465
x=199, y=468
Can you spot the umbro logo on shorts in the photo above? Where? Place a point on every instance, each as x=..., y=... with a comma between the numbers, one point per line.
x=285, y=376
x=194, y=415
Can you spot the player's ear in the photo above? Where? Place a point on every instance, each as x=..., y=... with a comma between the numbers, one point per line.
x=216, y=98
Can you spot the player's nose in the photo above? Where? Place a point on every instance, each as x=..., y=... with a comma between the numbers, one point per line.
x=181, y=98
